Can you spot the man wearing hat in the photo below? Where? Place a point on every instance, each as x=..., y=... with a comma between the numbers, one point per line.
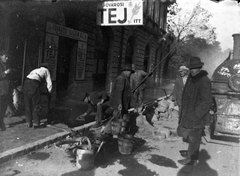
x=178, y=87
x=121, y=91
x=135, y=79
x=5, y=92
x=31, y=90
x=196, y=104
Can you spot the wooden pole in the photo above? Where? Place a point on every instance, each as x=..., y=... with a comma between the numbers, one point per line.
x=150, y=73
x=24, y=60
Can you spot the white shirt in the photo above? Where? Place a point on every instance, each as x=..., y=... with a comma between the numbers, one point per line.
x=184, y=79
x=41, y=73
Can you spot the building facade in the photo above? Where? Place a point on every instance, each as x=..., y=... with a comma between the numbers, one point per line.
x=83, y=55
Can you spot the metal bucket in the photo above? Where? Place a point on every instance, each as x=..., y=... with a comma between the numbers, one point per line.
x=125, y=144
x=85, y=155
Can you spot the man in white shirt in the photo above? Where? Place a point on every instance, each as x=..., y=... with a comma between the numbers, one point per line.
x=178, y=87
x=31, y=90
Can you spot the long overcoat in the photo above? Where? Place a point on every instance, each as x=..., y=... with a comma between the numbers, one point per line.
x=121, y=93
x=4, y=80
x=196, y=101
x=177, y=91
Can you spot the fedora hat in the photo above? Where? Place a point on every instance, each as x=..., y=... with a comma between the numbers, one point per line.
x=195, y=62
x=183, y=68
x=4, y=52
x=127, y=67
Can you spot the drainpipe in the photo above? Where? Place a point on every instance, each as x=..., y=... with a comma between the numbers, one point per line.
x=121, y=50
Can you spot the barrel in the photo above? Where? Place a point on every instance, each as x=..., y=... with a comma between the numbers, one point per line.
x=85, y=155
x=125, y=144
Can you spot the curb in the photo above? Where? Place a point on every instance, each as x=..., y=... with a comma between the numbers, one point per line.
x=26, y=149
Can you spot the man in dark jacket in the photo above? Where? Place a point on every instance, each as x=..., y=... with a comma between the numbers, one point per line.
x=97, y=101
x=5, y=92
x=121, y=91
x=135, y=79
x=196, y=104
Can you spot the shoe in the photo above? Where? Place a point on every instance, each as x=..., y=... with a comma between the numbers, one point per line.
x=7, y=126
x=184, y=154
x=80, y=119
x=184, y=140
x=39, y=126
x=187, y=161
x=182, y=151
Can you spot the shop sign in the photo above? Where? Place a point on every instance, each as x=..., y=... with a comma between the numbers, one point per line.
x=119, y=13
x=81, y=60
x=66, y=32
x=51, y=53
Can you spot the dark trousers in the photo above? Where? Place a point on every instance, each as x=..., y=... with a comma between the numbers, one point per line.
x=194, y=140
x=103, y=109
x=4, y=100
x=32, y=100
x=137, y=98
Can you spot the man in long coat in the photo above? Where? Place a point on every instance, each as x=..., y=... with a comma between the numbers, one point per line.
x=196, y=104
x=5, y=91
x=178, y=87
x=121, y=91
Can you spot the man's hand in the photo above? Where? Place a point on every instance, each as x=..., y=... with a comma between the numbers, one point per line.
x=8, y=71
x=81, y=117
x=100, y=102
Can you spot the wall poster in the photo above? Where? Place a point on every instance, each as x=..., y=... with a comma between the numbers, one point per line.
x=51, y=53
x=81, y=60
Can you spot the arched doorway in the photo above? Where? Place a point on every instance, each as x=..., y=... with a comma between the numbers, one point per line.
x=129, y=50
x=101, y=59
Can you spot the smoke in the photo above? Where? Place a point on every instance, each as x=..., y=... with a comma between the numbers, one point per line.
x=211, y=62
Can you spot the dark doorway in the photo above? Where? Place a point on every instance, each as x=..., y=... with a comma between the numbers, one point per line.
x=101, y=59
x=65, y=54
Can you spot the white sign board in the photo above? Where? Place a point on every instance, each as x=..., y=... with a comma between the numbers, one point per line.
x=51, y=53
x=81, y=60
x=120, y=13
x=66, y=32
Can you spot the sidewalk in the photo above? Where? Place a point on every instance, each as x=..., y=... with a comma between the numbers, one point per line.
x=19, y=139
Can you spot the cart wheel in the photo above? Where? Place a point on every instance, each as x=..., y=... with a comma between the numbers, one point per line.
x=234, y=82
